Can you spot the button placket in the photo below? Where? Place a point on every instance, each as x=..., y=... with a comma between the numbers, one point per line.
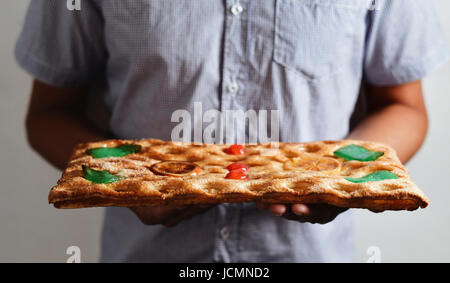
x=234, y=59
x=234, y=76
x=221, y=250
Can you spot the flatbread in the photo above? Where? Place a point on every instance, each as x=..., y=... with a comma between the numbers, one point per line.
x=278, y=173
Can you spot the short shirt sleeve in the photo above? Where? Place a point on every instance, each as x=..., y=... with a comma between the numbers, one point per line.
x=62, y=47
x=404, y=42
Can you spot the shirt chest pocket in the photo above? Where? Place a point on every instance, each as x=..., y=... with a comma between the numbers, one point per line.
x=315, y=38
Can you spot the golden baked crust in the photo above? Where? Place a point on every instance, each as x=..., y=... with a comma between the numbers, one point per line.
x=289, y=173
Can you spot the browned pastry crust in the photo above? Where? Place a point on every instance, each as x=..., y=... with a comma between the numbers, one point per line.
x=289, y=173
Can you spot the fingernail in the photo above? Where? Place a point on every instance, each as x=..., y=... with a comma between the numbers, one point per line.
x=278, y=212
x=300, y=210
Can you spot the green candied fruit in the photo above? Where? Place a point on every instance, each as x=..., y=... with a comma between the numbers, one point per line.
x=119, y=151
x=99, y=177
x=356, y=152
x=374, y=177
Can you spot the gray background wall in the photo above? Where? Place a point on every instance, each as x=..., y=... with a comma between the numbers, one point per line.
x=30, y=230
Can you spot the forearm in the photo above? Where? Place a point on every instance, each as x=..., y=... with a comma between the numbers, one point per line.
x=399, y=126
x=55, y=133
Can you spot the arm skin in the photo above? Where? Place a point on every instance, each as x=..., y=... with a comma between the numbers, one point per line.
x=397, y=117
x=55, y=124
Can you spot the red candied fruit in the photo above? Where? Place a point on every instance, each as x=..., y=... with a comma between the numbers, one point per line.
x=238, y=166
x=235, y=149
x=236, y=175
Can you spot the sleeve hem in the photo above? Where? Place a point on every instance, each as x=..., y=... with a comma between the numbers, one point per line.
x=413, y=71
x=48, y=75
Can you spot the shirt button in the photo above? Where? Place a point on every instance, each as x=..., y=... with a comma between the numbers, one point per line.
x=236, y=9
x=224, y=233
x=233, y=88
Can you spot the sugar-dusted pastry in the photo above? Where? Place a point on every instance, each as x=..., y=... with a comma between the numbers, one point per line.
x=344, y=173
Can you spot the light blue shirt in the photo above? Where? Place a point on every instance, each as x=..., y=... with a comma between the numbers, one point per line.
x=305, y=58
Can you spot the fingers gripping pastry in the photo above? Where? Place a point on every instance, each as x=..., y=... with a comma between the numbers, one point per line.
x=344, y=173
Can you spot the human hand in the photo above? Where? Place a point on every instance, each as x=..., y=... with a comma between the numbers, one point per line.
x=168, y=215
x=312, y=213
